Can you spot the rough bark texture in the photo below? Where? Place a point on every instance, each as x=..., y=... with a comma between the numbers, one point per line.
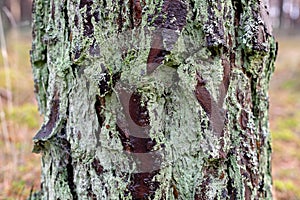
x=147, y=99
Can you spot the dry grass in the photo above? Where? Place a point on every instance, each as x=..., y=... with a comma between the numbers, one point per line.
x=20, y=169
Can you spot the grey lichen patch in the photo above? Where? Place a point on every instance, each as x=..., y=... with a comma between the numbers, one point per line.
x=254, y=32
x=256, y=79
x=57, y=73
x=212, y=73
x=39, y=54
x=56, y=163
x=242, y=123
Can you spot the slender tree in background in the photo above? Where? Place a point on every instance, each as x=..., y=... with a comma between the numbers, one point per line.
x=146, y=99
x=15, y=13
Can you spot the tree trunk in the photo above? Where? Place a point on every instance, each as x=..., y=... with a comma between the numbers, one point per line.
x=281, y=14
x=26, y=10
x=153, y=99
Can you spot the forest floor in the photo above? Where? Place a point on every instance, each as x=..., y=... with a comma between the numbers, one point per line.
x=285, y=119
x=19, y=121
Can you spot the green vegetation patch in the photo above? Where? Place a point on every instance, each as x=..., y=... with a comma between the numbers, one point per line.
x=284, y=135
x=287, y=187
x=287, y=128
x=26, y=115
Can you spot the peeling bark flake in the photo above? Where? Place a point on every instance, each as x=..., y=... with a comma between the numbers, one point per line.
x=47, y=128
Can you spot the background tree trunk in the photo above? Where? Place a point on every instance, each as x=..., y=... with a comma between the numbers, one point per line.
x=153, y=99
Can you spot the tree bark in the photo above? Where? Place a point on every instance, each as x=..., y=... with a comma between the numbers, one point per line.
x=153, y=99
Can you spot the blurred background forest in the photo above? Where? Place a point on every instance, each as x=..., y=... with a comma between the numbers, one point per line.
x=19, y=117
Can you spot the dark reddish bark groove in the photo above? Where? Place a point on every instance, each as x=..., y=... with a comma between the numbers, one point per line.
x=212, y=107
x=136, y=120
x=141, y=185
x=88, y=26
x=136, y=12
x=120, y=19
x=97, y=166
x=170, y=9
x=215, y=112
x=70, y=171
